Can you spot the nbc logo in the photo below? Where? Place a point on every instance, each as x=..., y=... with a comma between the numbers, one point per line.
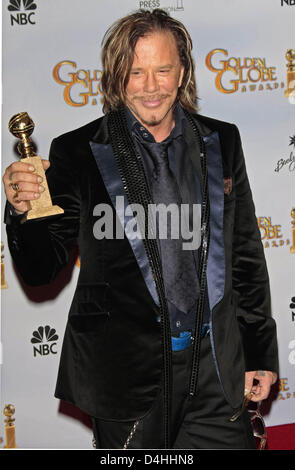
x=22, y=18
x=44, y=339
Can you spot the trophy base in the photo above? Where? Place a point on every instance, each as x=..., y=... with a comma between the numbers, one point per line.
x=4, y=284
x=43, y=212
x=41, y=207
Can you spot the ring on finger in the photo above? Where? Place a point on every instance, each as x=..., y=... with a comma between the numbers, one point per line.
x=14, y=186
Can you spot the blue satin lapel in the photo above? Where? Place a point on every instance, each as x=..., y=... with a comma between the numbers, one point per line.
x=216, y=255
x=106, y=163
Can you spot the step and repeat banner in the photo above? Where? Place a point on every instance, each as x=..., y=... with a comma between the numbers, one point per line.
x=245, y=71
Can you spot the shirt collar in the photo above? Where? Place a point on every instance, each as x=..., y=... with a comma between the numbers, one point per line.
x=140, y=131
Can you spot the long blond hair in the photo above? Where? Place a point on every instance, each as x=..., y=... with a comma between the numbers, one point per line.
x=118, y=47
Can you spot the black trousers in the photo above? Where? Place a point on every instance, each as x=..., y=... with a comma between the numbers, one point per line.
x=199, y=422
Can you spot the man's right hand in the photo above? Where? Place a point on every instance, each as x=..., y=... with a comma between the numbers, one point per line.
x=29, y=185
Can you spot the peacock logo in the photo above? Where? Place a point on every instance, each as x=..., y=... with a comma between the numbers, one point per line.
x=16, y=5
x=292, y=307
x=44, y=339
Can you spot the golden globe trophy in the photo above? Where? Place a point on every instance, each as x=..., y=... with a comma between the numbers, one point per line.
x=290, y=56
x=10, y=443
x=3, y=280
x=292, y=248
x=22, y=126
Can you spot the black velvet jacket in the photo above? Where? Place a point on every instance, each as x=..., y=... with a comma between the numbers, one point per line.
x=111, y=363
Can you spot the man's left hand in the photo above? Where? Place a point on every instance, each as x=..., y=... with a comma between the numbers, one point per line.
x=265, y=379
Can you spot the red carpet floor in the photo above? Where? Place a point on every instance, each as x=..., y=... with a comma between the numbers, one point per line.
x=281, y=437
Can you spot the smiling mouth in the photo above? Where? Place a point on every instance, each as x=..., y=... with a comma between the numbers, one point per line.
x=151, y=101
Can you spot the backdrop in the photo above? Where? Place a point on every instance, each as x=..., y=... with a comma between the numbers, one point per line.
x=52, y=70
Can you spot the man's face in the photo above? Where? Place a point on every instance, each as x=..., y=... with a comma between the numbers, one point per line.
x=155, y=76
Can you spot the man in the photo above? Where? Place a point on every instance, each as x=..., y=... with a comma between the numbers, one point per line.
x=162, y=342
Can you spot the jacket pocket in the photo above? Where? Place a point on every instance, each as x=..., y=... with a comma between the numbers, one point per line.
x=90, y=308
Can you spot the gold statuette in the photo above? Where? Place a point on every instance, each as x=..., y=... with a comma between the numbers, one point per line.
x=290, y=56
x=22, y=126
x=10, y=443
x=3, y=281
x=292, y=247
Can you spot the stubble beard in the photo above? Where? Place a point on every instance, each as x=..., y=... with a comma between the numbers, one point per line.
x=153, y=120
